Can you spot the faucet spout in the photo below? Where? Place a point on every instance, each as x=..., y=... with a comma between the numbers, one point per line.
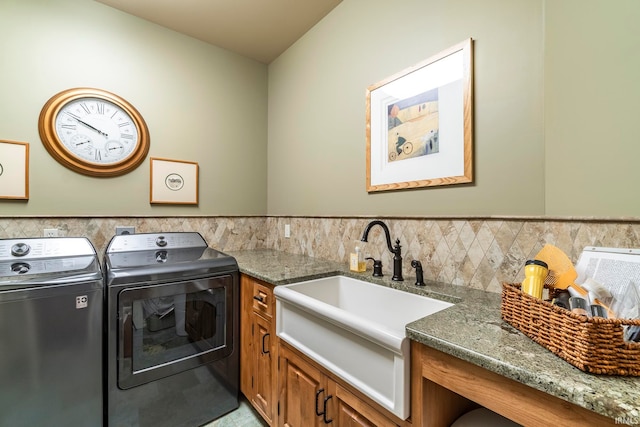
x=395, y=250
x=368, y=228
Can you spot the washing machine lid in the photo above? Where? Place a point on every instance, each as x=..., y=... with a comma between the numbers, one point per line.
x=47, y=261
x=158, y=257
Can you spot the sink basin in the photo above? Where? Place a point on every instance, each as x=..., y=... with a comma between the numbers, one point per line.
x=355, y=329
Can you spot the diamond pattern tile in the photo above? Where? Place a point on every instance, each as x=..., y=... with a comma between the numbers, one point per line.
x=479, y=253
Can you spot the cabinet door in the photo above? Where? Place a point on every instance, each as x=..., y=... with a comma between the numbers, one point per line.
x=302, y=392
x=349, y=411
x=258, y=350
x=262, y=377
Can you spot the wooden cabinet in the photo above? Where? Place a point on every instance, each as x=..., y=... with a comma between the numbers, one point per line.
x=286, y=387
x=445, y=387
x=258, y=346
x=289, y=389
x=310, y=397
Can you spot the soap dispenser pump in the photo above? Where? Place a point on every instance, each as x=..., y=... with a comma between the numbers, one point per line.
x=377, y=267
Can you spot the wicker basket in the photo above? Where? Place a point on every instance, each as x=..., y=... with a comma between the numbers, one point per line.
x=591, y=344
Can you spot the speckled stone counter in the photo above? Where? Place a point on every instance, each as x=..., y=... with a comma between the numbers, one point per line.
x=472, y=330
x=282, y=268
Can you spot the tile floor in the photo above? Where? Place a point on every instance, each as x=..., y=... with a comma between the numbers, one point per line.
x=244, y=416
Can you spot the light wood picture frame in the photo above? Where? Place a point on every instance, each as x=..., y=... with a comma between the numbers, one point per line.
x=419, y=124
x=14, y=170
x=173, y=182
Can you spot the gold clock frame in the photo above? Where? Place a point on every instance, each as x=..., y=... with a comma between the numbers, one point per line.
x=50, y=140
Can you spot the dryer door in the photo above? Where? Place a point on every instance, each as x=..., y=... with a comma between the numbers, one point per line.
x=169, y=328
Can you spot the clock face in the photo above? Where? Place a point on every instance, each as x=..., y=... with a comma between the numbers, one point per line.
x=93, y=132
x=96, y=130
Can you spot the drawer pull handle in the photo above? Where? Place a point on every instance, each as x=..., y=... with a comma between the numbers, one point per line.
x=324, y=412
x=318, y=413
x=258, y=298
x=263, y=338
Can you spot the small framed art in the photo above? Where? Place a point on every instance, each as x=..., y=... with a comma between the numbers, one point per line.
x=14, y=170
x=174, y=182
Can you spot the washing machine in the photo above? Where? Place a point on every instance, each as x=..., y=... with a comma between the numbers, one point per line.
x=51, y=301
x=172, y=331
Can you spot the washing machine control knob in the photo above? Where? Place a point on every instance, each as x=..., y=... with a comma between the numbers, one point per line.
x=20, y=267
x=161, y=241
x=161, y=256
x=20, y=249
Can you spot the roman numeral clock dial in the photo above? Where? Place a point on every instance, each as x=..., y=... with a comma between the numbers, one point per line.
x=93, y=132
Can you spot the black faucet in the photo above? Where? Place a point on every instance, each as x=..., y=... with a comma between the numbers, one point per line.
x=395, y=250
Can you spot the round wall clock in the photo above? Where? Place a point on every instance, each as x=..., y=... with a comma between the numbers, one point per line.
x=93, y=132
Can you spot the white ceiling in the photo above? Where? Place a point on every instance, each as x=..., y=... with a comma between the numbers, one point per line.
x=258, y=29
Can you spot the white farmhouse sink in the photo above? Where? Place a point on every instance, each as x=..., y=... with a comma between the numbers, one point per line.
x=355, y=329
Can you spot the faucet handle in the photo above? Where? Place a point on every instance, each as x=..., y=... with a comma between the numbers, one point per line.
x=377, y=267
x=397, y=248
x=419, y=276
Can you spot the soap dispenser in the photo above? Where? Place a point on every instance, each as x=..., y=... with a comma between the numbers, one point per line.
x=356, y=259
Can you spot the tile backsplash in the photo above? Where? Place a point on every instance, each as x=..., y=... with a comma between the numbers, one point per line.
x=479, y=253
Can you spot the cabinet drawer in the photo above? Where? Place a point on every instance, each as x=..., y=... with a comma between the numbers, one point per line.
x=263, y=301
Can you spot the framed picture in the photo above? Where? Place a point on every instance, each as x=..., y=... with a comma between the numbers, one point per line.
x=419, y=124
x=14, y=170
x=174, y=182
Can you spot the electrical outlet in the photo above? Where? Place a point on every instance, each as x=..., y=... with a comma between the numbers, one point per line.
x=287, y=231
x=125, y=230
x=50, y=232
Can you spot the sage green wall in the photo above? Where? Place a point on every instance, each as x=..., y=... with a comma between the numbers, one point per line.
x=556, y=99
x=201, y=103
x=556, y=95
x=317, y=107
x=592, y=103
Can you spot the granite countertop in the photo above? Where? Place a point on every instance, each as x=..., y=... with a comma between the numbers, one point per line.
x=471, y=330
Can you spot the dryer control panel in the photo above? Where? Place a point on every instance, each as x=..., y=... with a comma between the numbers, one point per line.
x=150, y=241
